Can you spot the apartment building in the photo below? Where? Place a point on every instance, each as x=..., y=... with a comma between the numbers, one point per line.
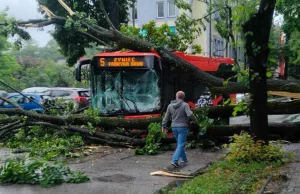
x=166, y=12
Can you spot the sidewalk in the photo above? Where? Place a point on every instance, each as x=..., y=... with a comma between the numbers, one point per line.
x=292, y=186
x=119, y=173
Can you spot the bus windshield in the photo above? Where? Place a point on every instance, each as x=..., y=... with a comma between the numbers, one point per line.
x=126, y=91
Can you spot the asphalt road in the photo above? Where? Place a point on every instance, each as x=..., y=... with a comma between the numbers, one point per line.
x=118, y=173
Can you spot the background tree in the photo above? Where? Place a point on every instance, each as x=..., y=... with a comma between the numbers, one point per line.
x=161, y=36
x=8, y=63
x=291, y=26
x=256, y=29
x=42, y=66
x=73, y=42
x=231, y=15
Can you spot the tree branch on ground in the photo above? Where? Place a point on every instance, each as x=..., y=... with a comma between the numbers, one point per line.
x=11, y=102
x=171, y=59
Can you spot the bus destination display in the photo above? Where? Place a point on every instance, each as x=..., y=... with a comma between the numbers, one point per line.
x=123, y=62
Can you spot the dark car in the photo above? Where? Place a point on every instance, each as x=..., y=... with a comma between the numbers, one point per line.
x=30, y=103
x=79, y=96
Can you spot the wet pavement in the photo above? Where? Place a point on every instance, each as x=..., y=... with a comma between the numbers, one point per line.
x=292, y=186
x=119, y=172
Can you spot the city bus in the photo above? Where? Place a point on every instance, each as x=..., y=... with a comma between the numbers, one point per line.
x=139, y=84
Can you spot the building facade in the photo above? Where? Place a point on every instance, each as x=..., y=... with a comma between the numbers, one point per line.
x=166, y=12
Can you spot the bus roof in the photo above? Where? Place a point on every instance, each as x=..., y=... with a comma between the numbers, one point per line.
x=205, y=63
x=210, y=64
x=126, y=54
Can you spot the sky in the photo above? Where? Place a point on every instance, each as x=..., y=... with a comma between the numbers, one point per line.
x=24, y=10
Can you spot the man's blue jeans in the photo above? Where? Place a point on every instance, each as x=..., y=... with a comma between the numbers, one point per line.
x=180, y=134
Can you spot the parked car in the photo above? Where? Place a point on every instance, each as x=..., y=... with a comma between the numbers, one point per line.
x=29, y=103
x=79, y=96
x=35, y=90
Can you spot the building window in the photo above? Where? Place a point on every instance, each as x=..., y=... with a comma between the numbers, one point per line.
x=216, y=47
x=222, y=49
x=134, y=12
x=160, y=9
x=171, y=9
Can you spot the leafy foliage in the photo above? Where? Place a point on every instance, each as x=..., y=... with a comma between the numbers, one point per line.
x=44, y=142
x=244, y=149
x=161, y=36
x=9, y=65
x=244, y=170
x=203, y=120
x=289, y=10
x=153, y=139
x=22, y=171
x=241, y=107
x=92, y=113
x=10, y=29
x=72, y=42
x=230, y=177
x=34, y=66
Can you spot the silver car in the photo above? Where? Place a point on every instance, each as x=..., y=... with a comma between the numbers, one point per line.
x=80, y=97
x=35, y=90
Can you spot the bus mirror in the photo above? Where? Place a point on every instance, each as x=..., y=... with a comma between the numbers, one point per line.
x=78, y=68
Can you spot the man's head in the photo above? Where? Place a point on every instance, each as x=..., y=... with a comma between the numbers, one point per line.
x=180, y=95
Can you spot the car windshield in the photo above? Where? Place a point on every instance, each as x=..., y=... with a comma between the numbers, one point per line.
x=126, y=91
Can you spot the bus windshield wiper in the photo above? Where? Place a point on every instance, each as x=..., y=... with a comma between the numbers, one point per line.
x=134, y=104
x=125, y=99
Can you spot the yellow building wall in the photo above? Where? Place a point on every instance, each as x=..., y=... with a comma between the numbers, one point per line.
x=199, y=10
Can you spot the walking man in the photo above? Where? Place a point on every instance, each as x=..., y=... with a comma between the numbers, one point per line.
x=180, y=113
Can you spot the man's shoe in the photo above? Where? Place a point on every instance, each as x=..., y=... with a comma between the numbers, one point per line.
x=184, y=162
x=175, y=165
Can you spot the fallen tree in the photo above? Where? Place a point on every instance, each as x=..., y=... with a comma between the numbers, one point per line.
x=274, y=108
x=283, y=129
x=111, y=34
x=107, y=130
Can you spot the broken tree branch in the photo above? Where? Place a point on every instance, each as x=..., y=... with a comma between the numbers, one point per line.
x=11, y=102
x=95, y=38
x=69, y=10
x=171, y=59
x=107, y=17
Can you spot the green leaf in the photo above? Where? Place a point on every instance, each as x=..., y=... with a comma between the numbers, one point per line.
x=269, y=74
x=272, y=60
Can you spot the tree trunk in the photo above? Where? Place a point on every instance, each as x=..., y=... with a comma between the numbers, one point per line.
x=113, y=12
x=274, y=128
x=286, y=59
x=257, y=31
x=274, y=108
x=133, y=43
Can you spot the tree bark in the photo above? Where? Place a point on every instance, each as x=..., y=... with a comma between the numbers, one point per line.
x=286, y=58
x=140, y=45
x=274, y=128
x=257, y=30
x=113, y=12
x=274, y=108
